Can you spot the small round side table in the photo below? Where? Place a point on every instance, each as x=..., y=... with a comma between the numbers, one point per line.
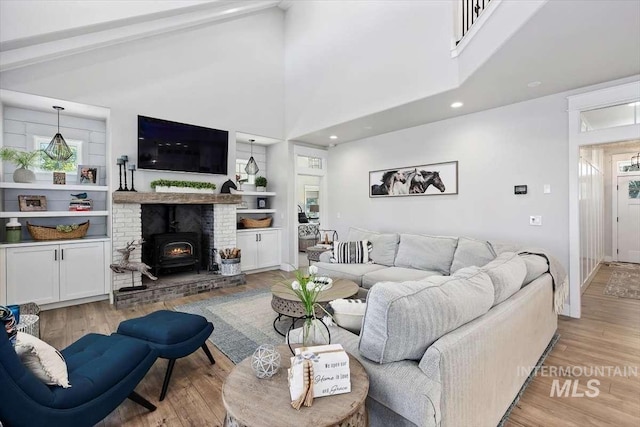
x=252, y=402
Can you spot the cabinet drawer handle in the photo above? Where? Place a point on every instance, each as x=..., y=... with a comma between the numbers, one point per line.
x=55, y=254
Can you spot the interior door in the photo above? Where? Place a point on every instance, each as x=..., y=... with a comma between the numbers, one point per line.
x=629, y=218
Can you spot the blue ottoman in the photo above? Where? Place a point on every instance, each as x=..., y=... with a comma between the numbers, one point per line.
x=172, y=334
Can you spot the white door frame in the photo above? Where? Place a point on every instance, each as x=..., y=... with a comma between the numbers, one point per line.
x=614, y=199
x=587, y=101
x=299, y=150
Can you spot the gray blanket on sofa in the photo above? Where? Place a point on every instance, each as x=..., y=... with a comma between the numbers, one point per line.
x=559, y=277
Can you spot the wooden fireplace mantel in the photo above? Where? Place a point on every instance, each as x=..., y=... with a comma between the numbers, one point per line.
x=175, y=198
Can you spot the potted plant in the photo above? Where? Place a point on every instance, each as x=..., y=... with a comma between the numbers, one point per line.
x=171, y=186
x=24, y=160
x=261, y=183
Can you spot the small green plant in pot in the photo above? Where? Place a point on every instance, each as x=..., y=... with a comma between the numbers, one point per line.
x=261, y=183
x=24, y=160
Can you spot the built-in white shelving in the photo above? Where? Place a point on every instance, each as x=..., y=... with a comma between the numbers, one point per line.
x=38, y=186
x=253, y=193
x=255, y=211
x=51, y=214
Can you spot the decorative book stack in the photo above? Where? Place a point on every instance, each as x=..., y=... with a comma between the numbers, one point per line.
x=324, y=369
x=81, y=205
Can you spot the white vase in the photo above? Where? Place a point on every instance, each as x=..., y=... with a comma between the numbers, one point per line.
x=261, y=189
x=23, y=175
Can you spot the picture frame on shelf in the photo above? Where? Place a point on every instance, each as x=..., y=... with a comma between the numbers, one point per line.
x=32, y=203
x=262, y=203
x=88, y=174
x=59, y=178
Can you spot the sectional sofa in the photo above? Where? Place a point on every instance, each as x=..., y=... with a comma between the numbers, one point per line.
x=451, y=329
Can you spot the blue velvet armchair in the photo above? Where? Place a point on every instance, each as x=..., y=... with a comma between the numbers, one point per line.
x=103, y=372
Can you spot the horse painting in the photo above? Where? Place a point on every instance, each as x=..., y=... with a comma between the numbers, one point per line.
x=415, y=180
x=389, y=180
x=431, y=178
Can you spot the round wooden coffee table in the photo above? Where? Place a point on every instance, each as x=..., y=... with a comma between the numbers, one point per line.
x=251, y=401
x=286, y=303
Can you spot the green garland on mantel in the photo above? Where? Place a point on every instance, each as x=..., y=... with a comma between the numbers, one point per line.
x=188, y=184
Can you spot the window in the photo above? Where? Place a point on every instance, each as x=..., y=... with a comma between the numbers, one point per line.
x=309, y=162
x=45, y=164
x=240, y=172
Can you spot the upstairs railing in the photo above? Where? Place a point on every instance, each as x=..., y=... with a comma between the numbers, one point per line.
x=470, y=10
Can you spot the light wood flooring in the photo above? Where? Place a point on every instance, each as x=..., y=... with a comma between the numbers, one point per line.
x=608, y=334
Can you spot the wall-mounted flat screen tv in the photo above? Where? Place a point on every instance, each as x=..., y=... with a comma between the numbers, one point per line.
x=171, y=146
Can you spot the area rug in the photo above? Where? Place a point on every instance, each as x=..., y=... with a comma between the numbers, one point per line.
x=624, y=284
x=241, y=321
x=625, y=265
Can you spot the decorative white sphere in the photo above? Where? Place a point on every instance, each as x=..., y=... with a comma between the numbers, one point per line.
x=265, y=361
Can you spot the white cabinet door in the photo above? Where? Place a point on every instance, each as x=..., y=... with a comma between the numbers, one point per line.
x=81, y=270
x=268, y=248
x=32, y=274
x=248, y=243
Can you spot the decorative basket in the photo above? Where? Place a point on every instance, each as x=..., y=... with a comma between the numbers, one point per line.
x=42, y=232
x=257, y=223
x=230, y=267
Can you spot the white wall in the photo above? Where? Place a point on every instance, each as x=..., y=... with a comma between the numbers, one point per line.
x=227, y=75
x=20, y=19
x=524, y=143
x=348, y=59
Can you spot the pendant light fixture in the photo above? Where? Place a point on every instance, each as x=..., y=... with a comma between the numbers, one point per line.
x=58, y=148
x=252, y=166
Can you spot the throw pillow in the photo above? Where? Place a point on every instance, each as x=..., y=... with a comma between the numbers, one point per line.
x=44, y=361
x=430, y=253
x=351, y=252
x=536, y=267
x=403, y=319
x=8, y=321
x=471, y=252
x=385, y=246
x=348, y=313
x=507, y=273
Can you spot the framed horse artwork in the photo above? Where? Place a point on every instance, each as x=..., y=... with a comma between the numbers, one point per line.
x=424, y=180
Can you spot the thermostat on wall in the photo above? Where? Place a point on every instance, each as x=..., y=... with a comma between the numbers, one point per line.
x=520, y=189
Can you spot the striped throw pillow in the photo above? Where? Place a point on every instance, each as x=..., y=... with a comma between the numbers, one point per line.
x=351, y=252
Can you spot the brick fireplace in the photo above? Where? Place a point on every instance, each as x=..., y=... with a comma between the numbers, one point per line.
x=127, y=226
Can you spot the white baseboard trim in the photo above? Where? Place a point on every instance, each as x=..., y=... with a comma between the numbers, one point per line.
x=78, y=301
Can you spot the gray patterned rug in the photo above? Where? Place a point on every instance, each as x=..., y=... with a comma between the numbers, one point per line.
x=624, y=283
x=241, y=321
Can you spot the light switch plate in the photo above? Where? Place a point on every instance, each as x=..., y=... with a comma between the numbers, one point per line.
x=535, y=220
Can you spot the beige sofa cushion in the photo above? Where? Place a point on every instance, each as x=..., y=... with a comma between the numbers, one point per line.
x=536, y=267
x=395, y=274
x=507, y=272
x=471, y=252
x=352, y=272
x=403, y=319
x=432, y=253
x=385, y=245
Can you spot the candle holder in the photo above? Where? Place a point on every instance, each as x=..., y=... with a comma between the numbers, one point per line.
x=125, y=159
x=120, y=162
x=132, y=168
